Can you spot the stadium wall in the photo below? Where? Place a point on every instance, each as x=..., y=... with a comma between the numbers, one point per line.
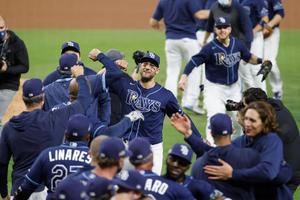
x=100, y=14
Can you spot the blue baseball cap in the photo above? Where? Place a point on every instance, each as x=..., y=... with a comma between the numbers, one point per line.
x=114, y=54
x=220, y=124
x=112, y=148
x=182, y=151
x=70, y=45
x=66, y=61
x=222, y=21
x=32, y=87
x=151, y=57
x=140, y=150
x=130, y=180
x=78, y=125
x=99, y=186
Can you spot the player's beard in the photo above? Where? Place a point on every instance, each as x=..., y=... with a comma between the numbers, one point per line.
x=146, y=79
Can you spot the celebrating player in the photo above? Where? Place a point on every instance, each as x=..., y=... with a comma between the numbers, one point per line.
x=153, y=100
x=181, y=44
x=27, y=134
x=221, y=57
x=56, y=163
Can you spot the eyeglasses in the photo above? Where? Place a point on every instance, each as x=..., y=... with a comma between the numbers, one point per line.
x=179, y=160
x=222, y=26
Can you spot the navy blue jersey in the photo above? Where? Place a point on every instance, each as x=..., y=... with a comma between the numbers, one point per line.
x=57, y=96
x=240, y=21
x=256, y=10
x=27, y=134
x=275, y=7
x=154, y=103
x=200, y=189
x=56, y=92
x=238, y=158
x=55, y=75
x=164, y=189
x=54, y=164
x=178, y=17
x=221, y=63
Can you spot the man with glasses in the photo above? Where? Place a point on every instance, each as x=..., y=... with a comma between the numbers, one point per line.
x=221, y=57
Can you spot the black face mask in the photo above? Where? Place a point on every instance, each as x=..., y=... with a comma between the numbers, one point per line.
x=2, y=35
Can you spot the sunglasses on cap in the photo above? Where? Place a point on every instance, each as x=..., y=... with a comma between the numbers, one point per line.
x=222, y=26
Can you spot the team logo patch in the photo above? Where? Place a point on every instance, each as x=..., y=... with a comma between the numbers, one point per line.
x=151, y=55
x=222, y=19
x=71, y=44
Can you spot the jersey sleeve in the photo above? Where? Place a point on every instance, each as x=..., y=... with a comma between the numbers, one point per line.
x=195, y=5
x=197, y=144
x=158, y=12
x=210, y=22
x=271, y=156
x=278, y=8
x=196, y=61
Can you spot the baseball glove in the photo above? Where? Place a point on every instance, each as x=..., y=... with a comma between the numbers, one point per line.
x=267, y=31
x=265, y=69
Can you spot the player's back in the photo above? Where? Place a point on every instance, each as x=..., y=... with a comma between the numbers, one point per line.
x=179, y=17
x=164, y=189
x=238, y=158
x=56, y=92
x=59, y=162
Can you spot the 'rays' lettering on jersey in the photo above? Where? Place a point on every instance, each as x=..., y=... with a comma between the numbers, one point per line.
x=142, y=103
x=156, y=186
x=69, y=154
x=227, y=60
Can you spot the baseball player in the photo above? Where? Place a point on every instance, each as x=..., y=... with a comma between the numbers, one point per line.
x=258, y=13
x=153, y=100
x=57, y=92
x=142, y=159
x=221, y=57
x=56, y=163
x=181, y=44
x=221, y=129
x=272, y=173
x=178, y=162
x=271, y=43
x=99, y=127
x=236, y=14
x=27, y=134
x=110, y=160
x=69, y=47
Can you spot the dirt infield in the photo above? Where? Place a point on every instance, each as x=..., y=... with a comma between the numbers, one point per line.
x=112, y=14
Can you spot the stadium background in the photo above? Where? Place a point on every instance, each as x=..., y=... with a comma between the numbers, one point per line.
x=120, y=14
x=122, y=24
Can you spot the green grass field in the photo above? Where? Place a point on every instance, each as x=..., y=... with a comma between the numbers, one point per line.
x=44, y=52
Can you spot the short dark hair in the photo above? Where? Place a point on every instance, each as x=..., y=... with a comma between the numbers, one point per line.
x=32, y=101
x=254, y=94
x=72, y=138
